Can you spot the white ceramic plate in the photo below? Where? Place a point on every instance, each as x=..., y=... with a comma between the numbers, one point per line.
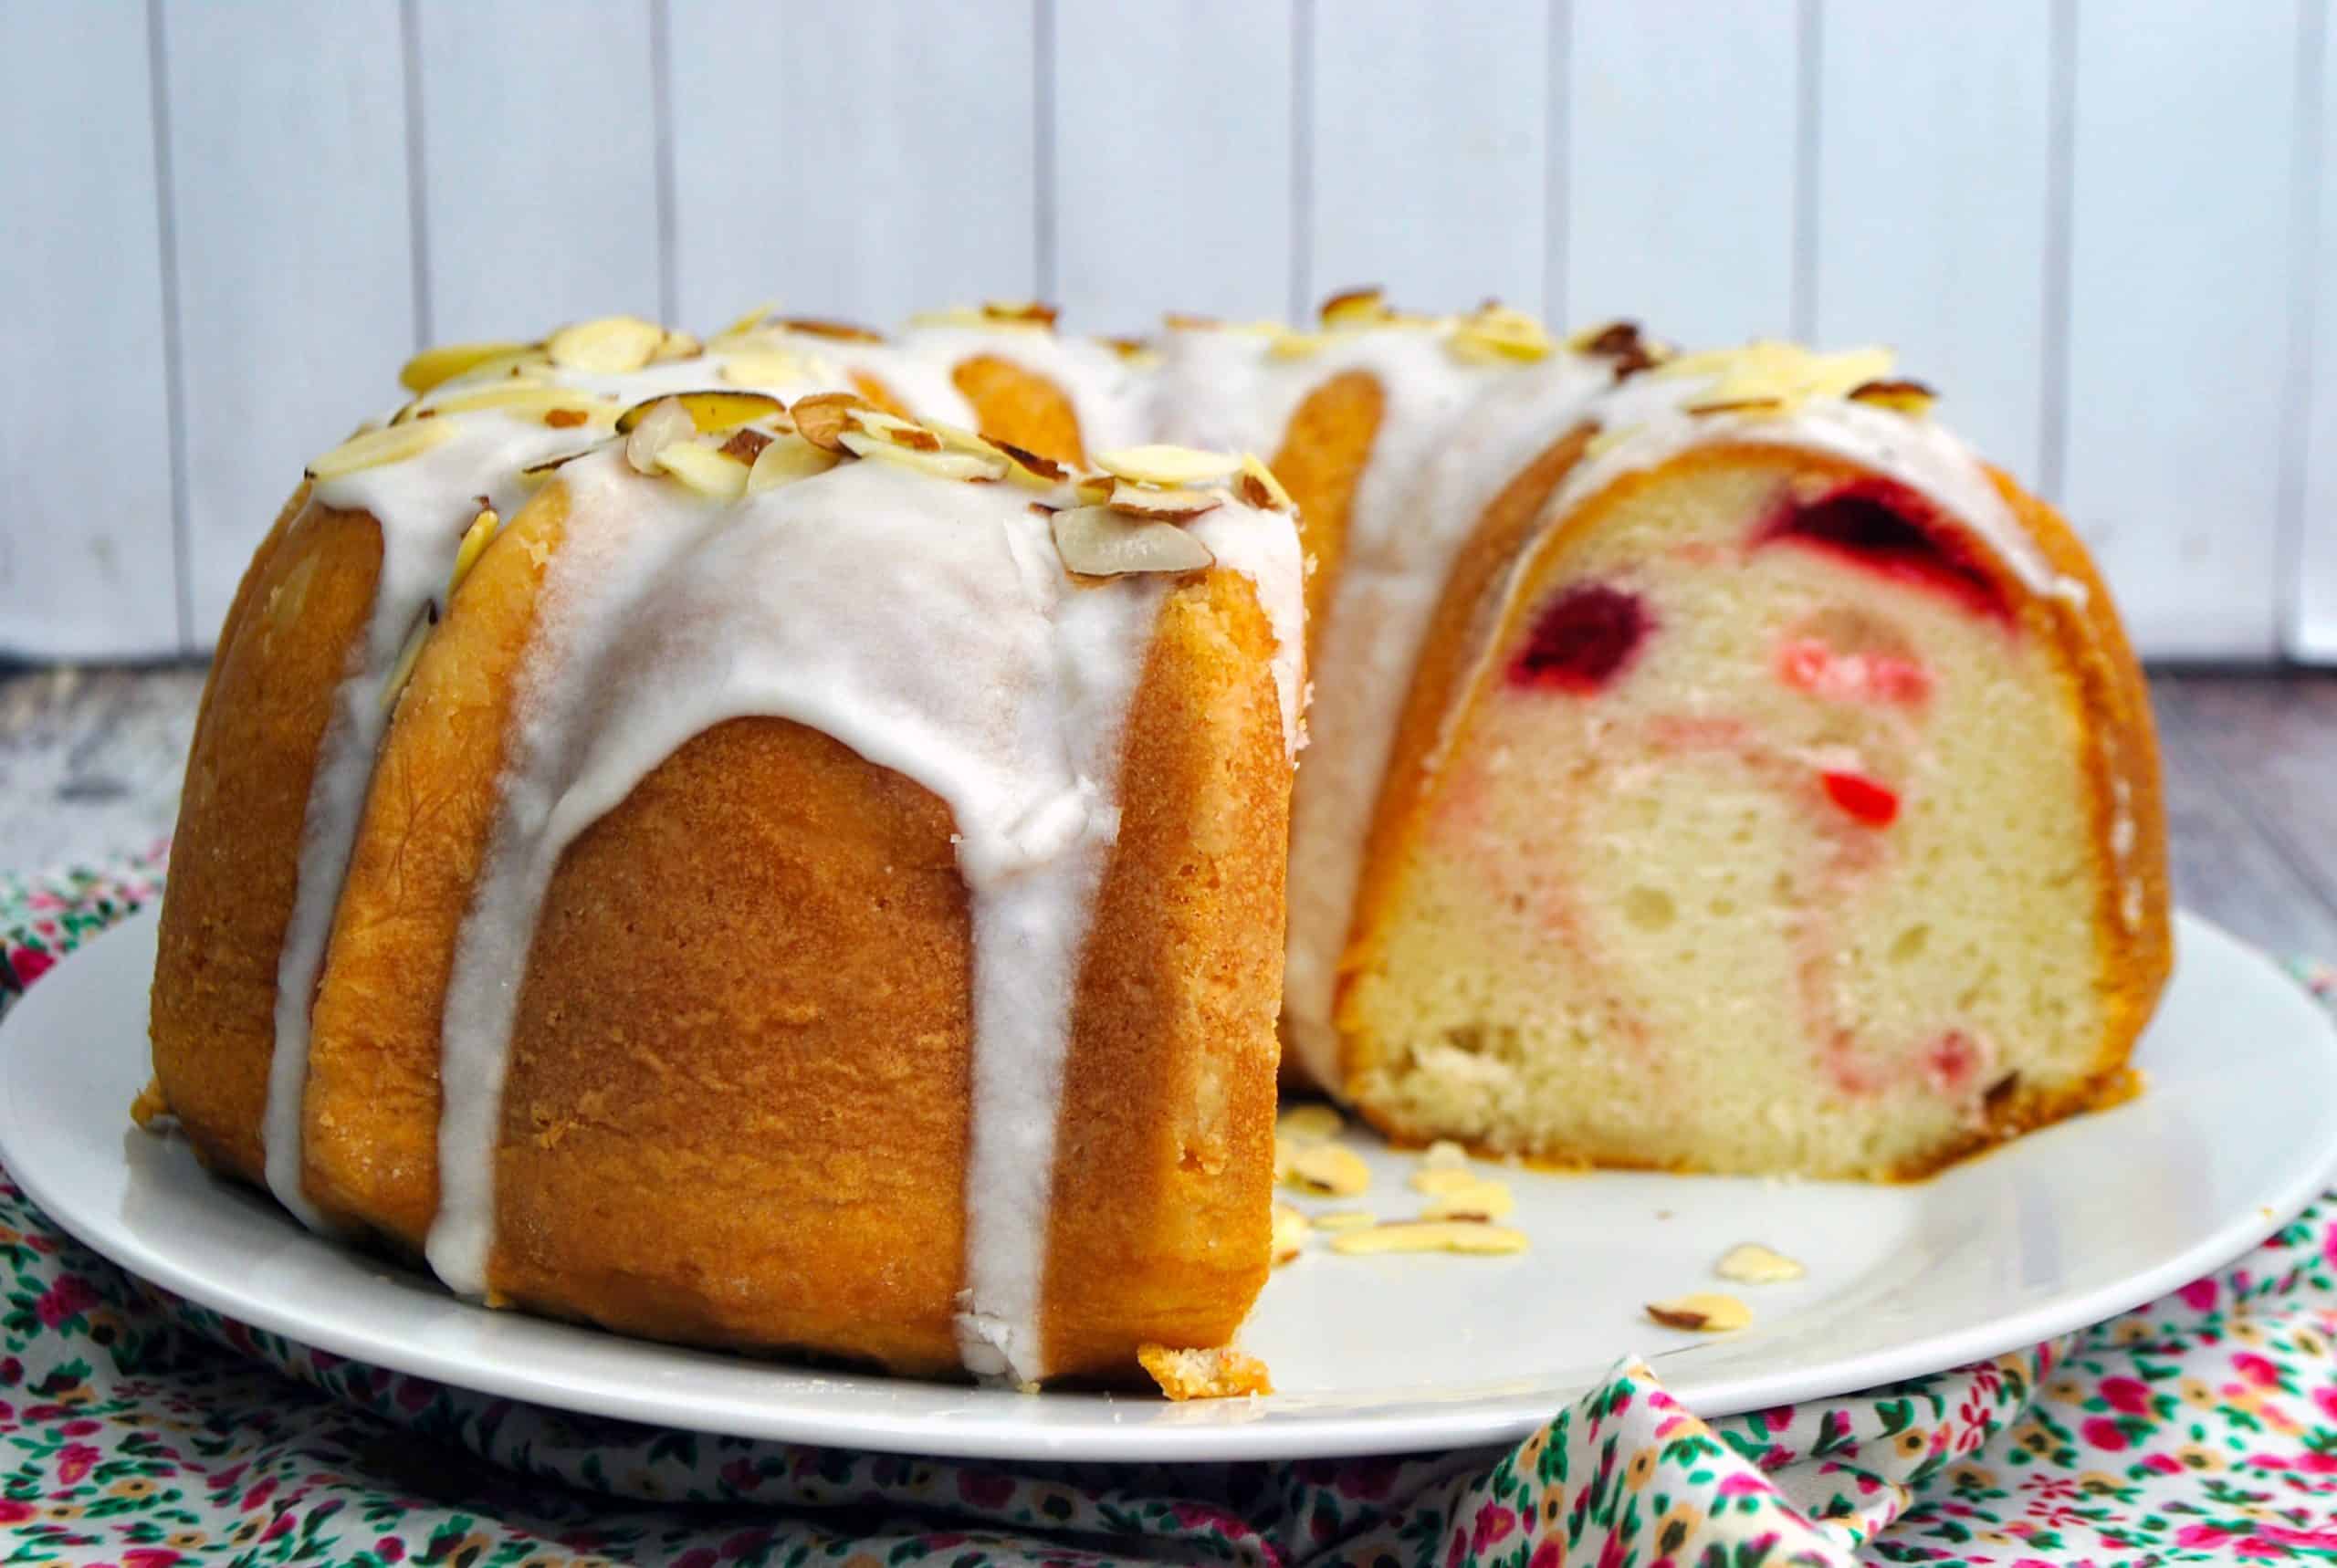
x=1379, y=1354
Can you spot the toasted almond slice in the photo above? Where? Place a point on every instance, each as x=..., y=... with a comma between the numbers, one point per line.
x=1702, y=1312
x=665, y=422
x=1297, y=345
x=525, y=365
x=609, y=346
x=409, y=655
x=677, y=344
x=950, y=316
x=1900, y=394
x=1498, y=332
x=844, y=331
x=1444, y=1154
x=1356, y=306
x=1290, y=1233
x=1339, y=1219
x=1031, y=471
x=1751, y=1263
x=822, y=418
x=1259, y=487
x=1167, y=465
x=1029, y=312
x=1170, y=505
x=1479, y=1201
x=475, y=541
x=446, y=361
x=711, y=412
x=373, y=448
x=705, y=470
x=747, y=323
x=1095, y=541
x=1093, y=489
x=1429, y=1235
x=960, y=465
x=1750, y=407
x=958, y=438
x=746, y=444
x=529, y=399
x=1437, y=1181
x=892, y=427
x=1329, y=1170
x=1134, y=349
x=1309, y=1124
x=774, y=368
x=785, y=460
x=542, y=469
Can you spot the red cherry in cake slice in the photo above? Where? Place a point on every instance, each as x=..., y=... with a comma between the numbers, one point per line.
x=1582, y=639
x=1866, y=800
x=1893, y=532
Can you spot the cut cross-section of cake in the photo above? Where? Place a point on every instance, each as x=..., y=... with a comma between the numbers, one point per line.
x=1784, y=798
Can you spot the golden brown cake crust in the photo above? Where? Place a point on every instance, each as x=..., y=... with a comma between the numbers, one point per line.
x=2107, y=695
x=1164, y=1164
x=369, y=1155
x=1320, y=463
x=300, y=611
x=1010, y=405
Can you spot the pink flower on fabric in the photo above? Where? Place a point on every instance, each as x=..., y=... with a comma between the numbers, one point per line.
x=2201, y=1535
x=1493, y=1526
x=2131, y=1394
x=2256, y=1370
x=30, y=964
x=1551, y=1554
x=2327, y=1399
x=2313, y=1463
x=2163, y=1464
x=74, y=1461
x=151, y=1557
x=985, y=1488
x=695, y=1557
x=1743, y=1485
x=1611, y=1554
x=390, y=1549
x=2199, y=1295
x=13, y=1511
x=69, y=1298
x=2103, y=1433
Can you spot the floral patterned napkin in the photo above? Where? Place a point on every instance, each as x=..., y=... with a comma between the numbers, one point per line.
x=139, y=1430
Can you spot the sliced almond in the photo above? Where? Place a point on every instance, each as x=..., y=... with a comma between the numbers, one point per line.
x=892, y=427
x=1750, y=407
x=543, y=468
x=1479, y=1201
x=1183, y=321
x=784, y=460
x=1329, y=1170
x=1258, y=486
x=527, y=364
x=1096, y=541
x=373, y=448
x=677, y=344
x=1354, y=307
x=747, y=323
x=1340, y=1219
x=705, y=470
x=822, y=418
x=1129, y=348
x=475, y=543
x=1170, y=505
x=1170, y=465
x=711, y=412
x=1437, y=1182
x=409, y=655
x=844, y=331
x=527, y=401
x=665, y=422
x=1497, y=332
x=1297, y=345
x=1429, y=1235
x=1701, y=1313
x=1290, y=1233
x=1900, y=394
x=1029, y=312
x=1029, y=470
x=1751, y=1263
x=960, y=465
x=610, y=345
x=446, y=361
x=1444, y=1154
x=746, y=444
x=1310, y=1123
x=1093, y=489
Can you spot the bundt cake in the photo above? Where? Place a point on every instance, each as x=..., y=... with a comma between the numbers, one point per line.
x=764, y=873
x=781, y=842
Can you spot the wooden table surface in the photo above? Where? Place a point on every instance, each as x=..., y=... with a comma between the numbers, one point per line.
x=89, y=764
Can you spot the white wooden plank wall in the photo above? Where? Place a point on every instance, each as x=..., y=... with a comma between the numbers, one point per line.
x=2108, y=231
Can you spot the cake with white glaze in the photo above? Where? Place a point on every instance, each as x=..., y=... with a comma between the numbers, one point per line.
x=741, y=878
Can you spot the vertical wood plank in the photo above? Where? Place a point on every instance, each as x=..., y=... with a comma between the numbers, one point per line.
x=1430, y=150
x=539, y=163
x=1932, y=203
x=1173, y=149
x=2179, y=257
x=860, y=171
x=1679, y=167
x=2313, y=521
x=295, y=259
x=86, y=557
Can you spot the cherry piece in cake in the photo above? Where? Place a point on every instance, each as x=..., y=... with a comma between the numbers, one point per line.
x=1889, y=530
x=1582, y=639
